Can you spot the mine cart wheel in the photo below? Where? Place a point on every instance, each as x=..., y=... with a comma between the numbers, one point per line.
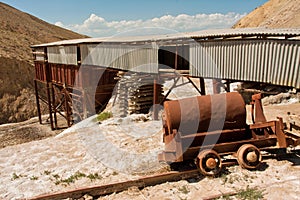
x=209, y=163
x=248, y=156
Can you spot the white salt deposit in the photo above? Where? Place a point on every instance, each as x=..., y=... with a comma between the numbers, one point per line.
x=120, y=149
x=34, y=168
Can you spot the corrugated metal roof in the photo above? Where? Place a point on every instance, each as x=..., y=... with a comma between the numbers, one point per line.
x=290, y=32
x=294, y=32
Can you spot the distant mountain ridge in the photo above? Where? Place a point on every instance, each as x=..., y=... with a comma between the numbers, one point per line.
x=18, y=31
x=273, y=14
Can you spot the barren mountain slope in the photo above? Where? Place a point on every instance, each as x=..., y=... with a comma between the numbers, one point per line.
x=273, y=14
x=18, y=31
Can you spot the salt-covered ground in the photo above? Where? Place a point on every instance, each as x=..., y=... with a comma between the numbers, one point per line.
x=274, y=180
x=88, y=148
x=124, y=148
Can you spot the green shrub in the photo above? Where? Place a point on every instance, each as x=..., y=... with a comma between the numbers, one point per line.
x=33, y=178
x=94, y=176
x=250, y=194
x=184, y=189
x=104, y=116
x=15, y=176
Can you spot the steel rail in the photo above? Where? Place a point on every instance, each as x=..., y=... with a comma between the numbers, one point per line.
x=101, y=190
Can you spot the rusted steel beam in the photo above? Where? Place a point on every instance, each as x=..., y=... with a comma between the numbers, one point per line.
x=281, y=138
x=229, y=148
x=216, y=86
x=50, y=104
x=257, y=108
x=155, y=99
x=68, y=116
x=202, y=86
x=54, y=108
x=121, y=186
x=170, y=90
x=37, y=101
x=199, y=91
x=227, y=86
x=262, y=125
x=176, y=57
x=293, y=139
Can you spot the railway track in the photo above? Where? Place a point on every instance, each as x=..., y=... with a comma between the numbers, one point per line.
x=146, y=181
x=151, y=180
x=101, y=190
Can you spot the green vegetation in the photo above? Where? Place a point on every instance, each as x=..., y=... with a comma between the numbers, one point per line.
x=115, y=173
x=104, y=116
x=56, y=176
x=33, y=178
x=250, y=194
x=71, y=179
x=231, y=179
x=225, y=197
x=94, y=176
x=46, y=172
x=184, y=189
x=57, y=179
x=247, y=194
x=15, y=176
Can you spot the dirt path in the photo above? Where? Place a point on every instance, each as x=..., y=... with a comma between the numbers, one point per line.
x=27, y=131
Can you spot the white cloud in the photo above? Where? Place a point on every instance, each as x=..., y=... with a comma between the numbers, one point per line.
x=97, y=26
x=59, y=24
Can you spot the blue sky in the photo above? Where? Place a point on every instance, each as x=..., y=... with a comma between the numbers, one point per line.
x=106, y=17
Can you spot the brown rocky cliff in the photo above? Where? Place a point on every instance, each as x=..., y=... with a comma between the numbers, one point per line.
x=273, y=14
x=18, y=31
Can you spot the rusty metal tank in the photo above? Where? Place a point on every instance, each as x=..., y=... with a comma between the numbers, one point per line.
x=205, y=113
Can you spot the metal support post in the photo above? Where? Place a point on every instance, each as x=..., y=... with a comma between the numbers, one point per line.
x=50, y=105
x=155, y=99
x=38, y=101
x=202, y=86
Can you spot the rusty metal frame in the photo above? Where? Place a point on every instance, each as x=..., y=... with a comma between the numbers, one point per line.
x=262, y=134
x=57, y=82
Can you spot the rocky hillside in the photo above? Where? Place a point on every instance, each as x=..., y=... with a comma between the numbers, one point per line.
x=18, y=31
x=273, y=14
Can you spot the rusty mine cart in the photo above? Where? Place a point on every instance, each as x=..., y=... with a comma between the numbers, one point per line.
x=209, y=128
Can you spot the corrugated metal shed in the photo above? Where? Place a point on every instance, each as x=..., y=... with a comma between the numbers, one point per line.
x=39, y=54
x=62, y=54
x=255, y=54
x=269, y=61
x=124, y=57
